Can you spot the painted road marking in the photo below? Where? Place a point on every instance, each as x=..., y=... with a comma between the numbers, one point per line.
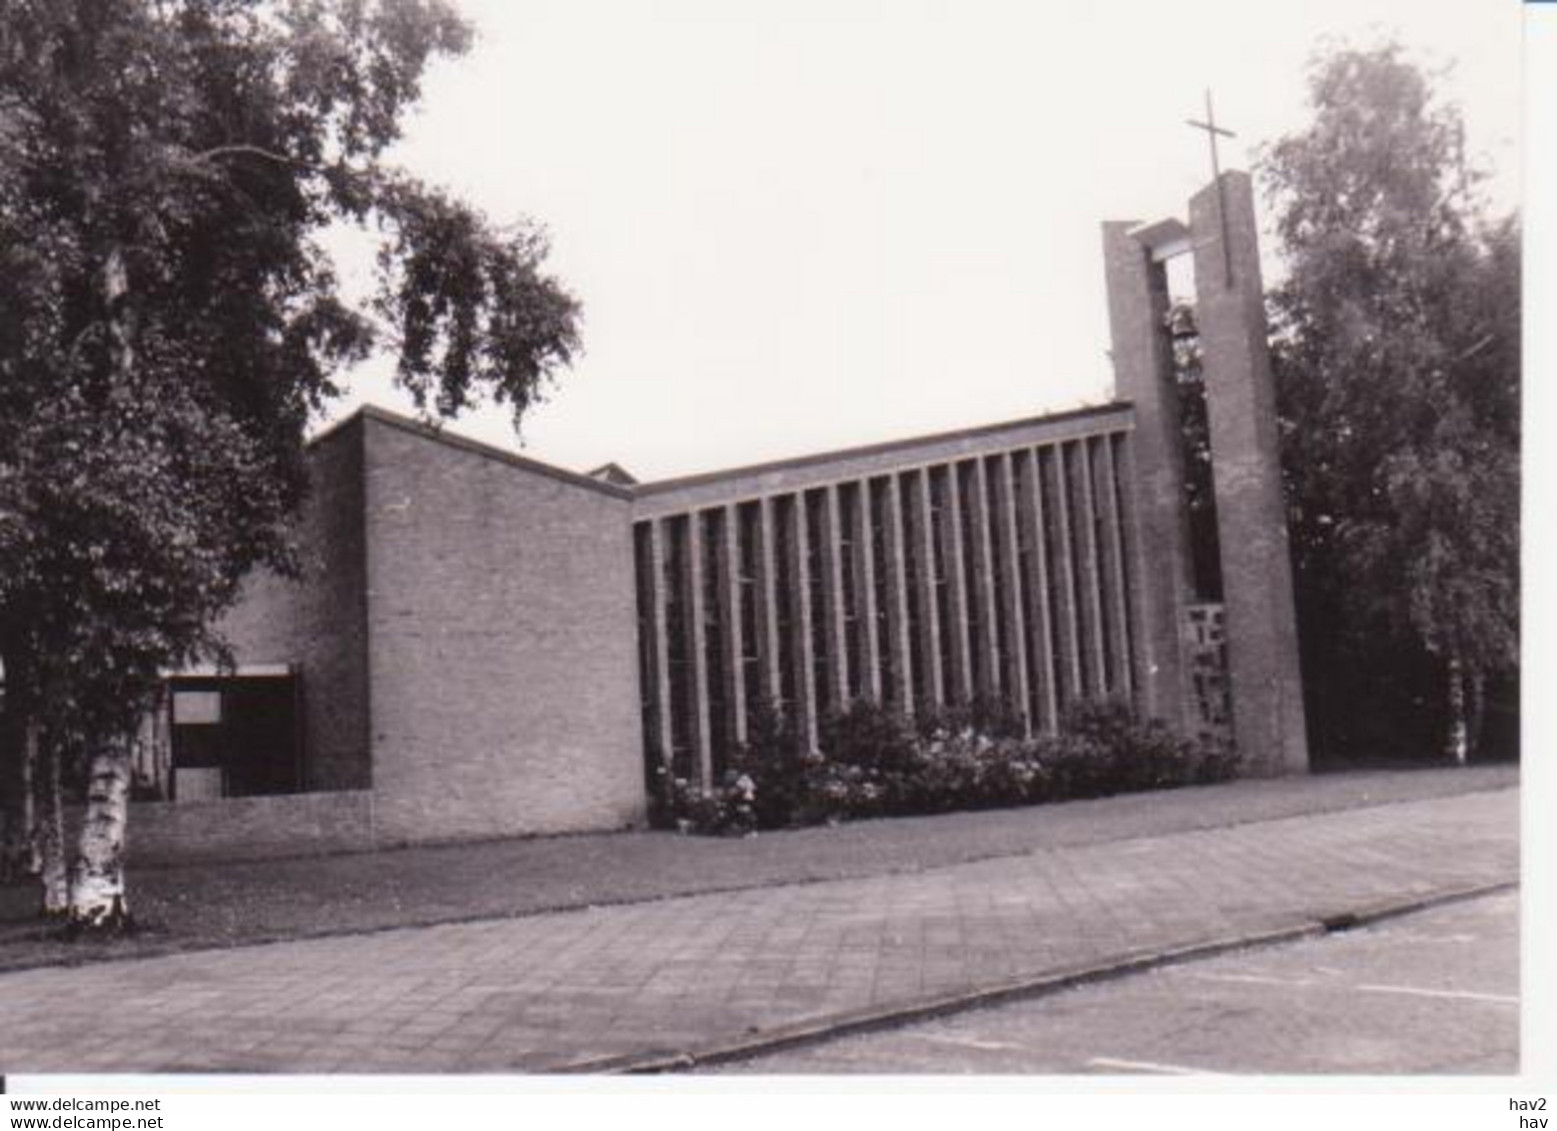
x=1413, y=991
x=968, y=1042
x=1256, y=979
x=1148, y=1066
x=1462, y=995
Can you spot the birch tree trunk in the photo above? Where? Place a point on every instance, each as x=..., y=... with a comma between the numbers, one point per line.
x=97, y=901
x=48, y=835
x=97, y=896
x=1459, y=735
x=121, y=320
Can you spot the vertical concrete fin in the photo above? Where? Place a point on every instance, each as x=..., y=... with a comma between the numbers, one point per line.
x=698, y=635
x=988, y=677
x=954, y=561
x=1063, y=579
x=769, y=655
x=1111, y=549
x=1268, y=717
x=835, y=635
x=1010, y=596
x=731, y=592
x=1085, y=550
x=660, y=688
x=800, y=579
x=899, y=649
x=1143, y=374
x=929, y=614
x=865, y=568
x=1031, y=526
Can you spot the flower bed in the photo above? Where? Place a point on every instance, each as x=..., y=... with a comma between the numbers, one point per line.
x=871, y=762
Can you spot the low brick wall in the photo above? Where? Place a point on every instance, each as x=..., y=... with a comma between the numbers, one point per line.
x=251, y=828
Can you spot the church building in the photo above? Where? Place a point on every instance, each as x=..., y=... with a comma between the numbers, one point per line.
x=484, y=645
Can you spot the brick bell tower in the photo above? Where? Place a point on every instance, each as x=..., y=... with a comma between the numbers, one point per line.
x=1267, y=719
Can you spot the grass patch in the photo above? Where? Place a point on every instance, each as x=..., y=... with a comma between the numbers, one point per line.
x=200, y=906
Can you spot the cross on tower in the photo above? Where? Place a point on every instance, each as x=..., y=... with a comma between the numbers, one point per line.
x=1213, y=131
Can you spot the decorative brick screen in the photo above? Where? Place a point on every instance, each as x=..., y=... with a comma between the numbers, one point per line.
x=1205, y=647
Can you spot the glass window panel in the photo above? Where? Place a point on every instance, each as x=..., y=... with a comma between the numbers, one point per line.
x=197, y=708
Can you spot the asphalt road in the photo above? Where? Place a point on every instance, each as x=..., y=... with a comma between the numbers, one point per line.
x=1432, y=992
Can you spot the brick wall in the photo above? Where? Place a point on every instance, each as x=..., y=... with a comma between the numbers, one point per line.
x=250, y=828
x=503, y=659
x=320, y=622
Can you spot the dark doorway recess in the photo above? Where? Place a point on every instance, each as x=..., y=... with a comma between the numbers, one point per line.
x=236, y=736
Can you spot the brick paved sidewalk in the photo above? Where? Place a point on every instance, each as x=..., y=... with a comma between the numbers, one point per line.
x=551, y=990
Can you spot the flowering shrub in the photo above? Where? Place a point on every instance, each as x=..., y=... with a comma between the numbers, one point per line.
x=993, y=717
x=871, y=762
x=729, y=809
x=774, y=758
x=837, y=791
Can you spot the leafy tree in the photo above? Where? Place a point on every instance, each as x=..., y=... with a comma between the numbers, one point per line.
x=1397, y=358
x=170, y=322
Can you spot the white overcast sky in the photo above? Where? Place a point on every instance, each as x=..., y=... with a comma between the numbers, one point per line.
x=801, y=225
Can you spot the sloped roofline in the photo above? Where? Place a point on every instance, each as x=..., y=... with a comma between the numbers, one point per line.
x=476, y=447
